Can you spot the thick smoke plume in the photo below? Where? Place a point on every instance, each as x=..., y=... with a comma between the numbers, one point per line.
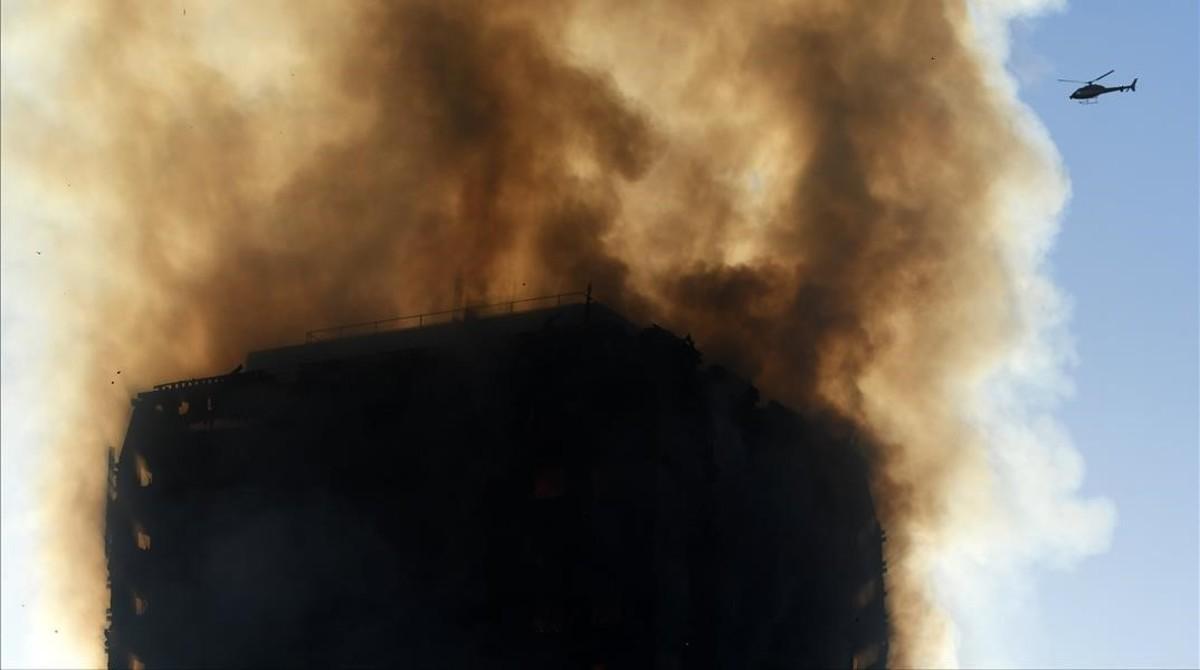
x=840, y=200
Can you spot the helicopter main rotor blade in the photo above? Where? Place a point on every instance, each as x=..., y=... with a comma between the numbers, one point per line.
x=1074, y=81
x=1103, y=76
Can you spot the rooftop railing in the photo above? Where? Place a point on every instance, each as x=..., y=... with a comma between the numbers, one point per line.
x=448, y=316
x=190, y=383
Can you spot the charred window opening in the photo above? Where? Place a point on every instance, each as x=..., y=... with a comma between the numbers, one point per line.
x=865, y=658
x=112, y=474
x=142, y=537
x=143, y=472
x=865, y=594
x=549, y=619
x=550, y=482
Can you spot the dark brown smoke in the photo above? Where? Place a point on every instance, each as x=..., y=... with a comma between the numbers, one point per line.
x=813, y=189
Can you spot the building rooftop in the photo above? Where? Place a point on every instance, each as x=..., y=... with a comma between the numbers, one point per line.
x=464, y=327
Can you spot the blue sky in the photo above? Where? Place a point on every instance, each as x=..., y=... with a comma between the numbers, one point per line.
x=1127, y=256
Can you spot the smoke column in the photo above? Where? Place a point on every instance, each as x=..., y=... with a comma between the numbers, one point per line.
x=844, y=202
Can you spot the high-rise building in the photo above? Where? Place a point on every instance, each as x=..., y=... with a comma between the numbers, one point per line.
x=543, y=489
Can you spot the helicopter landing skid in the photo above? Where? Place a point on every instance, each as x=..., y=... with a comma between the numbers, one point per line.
x=1093, y=101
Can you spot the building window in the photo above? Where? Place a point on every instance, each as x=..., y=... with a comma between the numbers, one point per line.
x=143, y=471
x=550, y=482
x=866, y=594
x=865, y=658
x=143, y=538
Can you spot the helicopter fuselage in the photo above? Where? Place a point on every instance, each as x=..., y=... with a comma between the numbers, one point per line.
x=1093, y=90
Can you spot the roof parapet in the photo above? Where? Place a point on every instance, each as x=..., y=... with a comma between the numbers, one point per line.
x=447, y=316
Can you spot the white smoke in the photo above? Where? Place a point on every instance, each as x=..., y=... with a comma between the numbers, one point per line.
x=984, y=576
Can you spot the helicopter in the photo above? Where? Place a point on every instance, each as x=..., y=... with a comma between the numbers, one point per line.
x=1091, y=89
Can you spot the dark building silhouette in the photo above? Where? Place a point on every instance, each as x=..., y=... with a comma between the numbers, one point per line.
x=555, y=488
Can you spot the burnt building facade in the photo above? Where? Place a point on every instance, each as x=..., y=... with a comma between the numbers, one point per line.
x=547, y=489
